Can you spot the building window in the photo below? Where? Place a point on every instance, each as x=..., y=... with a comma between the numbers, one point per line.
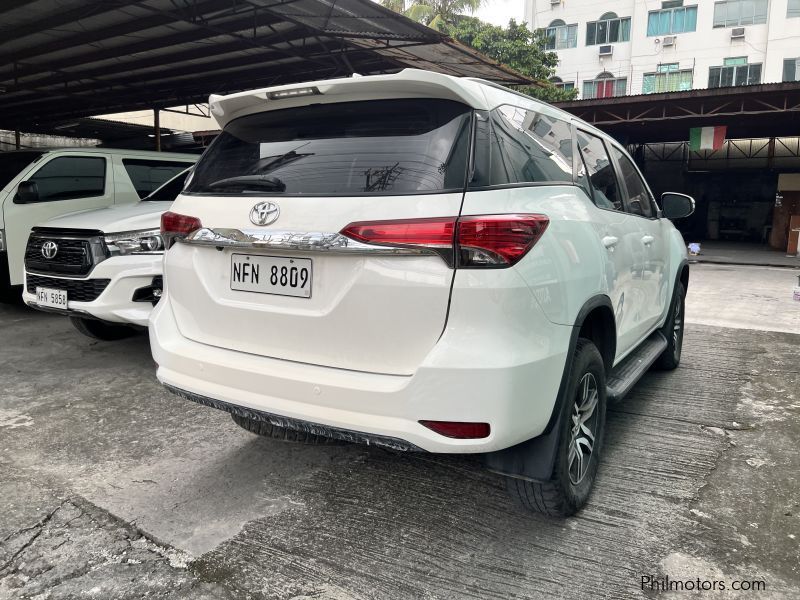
x=793, y=10
x=672, y=20
x=608, y=29
x=605, y=85
x=734, y=13
x=559, y=36
x=667, y=78
x=562, y=85
x=734, y=72
x=791, y=69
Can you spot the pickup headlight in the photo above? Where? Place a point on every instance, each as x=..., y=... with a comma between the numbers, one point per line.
x=147, y=241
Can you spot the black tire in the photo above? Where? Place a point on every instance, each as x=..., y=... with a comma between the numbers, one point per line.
x=673, y=331
x=101, y=330
x=265, y=429
x=568, y=490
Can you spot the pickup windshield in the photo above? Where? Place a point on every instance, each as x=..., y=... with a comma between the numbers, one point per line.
x=11, y=163
x=385, y=147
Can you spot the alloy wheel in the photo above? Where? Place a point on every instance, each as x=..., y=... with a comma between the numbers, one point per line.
x=583, y=430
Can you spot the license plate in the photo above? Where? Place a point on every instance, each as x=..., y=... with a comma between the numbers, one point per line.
x=278, y=275
x=51, y=298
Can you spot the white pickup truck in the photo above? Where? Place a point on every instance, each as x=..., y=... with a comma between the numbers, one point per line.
x=101, y=267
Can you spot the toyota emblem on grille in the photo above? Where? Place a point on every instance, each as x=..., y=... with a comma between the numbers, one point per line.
x=265, y=213
x=49, y=249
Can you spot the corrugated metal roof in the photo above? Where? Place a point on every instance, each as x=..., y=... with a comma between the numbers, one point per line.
x=77, y=58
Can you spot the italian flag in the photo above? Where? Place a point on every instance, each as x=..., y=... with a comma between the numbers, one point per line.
x=706, y=138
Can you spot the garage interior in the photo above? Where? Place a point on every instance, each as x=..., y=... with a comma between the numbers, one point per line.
x=745, y=192
x=63, y=63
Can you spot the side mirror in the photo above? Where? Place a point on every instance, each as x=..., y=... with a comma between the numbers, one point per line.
x=27, y=192
x=676, y=206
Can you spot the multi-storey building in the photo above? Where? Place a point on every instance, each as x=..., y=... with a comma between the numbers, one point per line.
x=627, y=47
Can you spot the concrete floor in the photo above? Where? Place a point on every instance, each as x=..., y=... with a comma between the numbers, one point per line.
x=743, y=297
x=744, y=253
x=112, y=488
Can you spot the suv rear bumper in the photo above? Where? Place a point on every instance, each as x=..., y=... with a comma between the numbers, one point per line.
x=513, y=389
x=115, y=304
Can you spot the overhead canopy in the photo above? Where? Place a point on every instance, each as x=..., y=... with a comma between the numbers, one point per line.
x=754, y=111
x=73, y=58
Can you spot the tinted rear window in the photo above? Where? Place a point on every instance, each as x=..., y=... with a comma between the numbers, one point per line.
x=518, y=146
x=377, y=147
x=170, y=190
x=148, y=175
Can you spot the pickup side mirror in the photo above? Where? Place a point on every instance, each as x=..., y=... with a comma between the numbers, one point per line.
x=676, y=206
x=27, y=192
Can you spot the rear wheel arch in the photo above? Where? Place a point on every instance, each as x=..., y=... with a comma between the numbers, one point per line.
x=535, y=458
x=596, y=323
x=684, y=274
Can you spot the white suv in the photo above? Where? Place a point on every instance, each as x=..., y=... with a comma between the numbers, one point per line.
x=102, y=268
x=423, y=263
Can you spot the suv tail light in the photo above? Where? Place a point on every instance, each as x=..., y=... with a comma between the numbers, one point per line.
x=476, y=241
x=497, y=240
x=175, y=226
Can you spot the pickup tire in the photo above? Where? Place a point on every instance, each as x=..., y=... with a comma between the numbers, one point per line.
x=101, y=330
x=673, y=331
x=266, y=429
x=580, y=442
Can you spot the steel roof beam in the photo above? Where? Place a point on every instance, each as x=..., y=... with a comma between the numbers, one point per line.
x=164, y=42
x=134, y=25
x=131, y=80
x=183, y=57
x=171, y=94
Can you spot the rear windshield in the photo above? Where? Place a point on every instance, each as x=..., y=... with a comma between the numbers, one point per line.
x=377, y=147
x=11, y=163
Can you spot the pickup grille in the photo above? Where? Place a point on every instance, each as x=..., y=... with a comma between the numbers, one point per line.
x=74, y=256
x=78, y=290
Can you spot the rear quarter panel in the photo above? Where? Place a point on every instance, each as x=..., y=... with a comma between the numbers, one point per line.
x=567, y=265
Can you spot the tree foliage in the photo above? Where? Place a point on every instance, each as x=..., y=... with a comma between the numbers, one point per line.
x=519, y=48
x=438, y=14
x=515, y=46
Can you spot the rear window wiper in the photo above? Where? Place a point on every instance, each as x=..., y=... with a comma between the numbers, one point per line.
x=260, y=181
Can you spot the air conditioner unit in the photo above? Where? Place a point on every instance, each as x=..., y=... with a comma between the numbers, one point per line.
x=737, y=33
x=606, y=50
x=669, y=40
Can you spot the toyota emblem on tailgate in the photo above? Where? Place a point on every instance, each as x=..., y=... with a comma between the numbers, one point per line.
x=49, y=249
x=265, y=213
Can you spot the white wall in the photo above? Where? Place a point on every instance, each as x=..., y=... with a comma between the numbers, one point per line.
x=191, y=122
x=706, y=47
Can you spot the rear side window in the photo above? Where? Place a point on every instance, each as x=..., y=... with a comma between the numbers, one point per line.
x=602, y=179
x=170, y=190
x=521, y=146
x=148, y=175
x=379, y=148
x=70, y=177
x=639, y=201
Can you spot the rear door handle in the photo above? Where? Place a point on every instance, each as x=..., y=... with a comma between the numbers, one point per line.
x=610, y=241
x=648, y=240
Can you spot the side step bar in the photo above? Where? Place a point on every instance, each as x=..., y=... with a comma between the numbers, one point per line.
x=625, y=375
